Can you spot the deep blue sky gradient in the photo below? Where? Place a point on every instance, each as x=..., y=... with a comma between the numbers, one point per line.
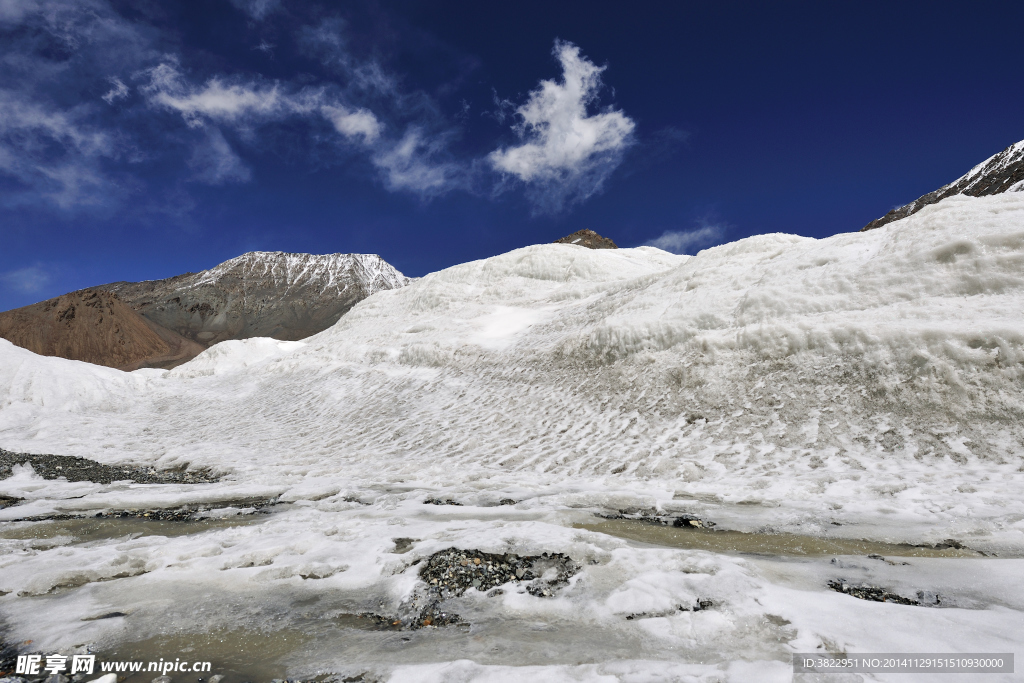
x=807, y=118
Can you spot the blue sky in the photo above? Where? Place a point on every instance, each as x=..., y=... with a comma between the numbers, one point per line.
x=140, y=140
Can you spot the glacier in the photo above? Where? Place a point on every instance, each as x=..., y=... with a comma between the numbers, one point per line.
x=862, y=386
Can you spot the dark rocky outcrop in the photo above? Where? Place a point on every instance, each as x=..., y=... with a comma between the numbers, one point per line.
x=589, y=239
x=73, y=468
x=1003, y=172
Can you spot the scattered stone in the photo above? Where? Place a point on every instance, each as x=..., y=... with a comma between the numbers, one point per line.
x=83, y=469
x=108, y=615
x=186, y=513
x=875, y=556
x=439, y=501
x=8, y=501
x=949, y=543
x=651, y=516
x=450, y=573
x=868, y=592
x=699, y=606
x=691, y=522
x=507, y=501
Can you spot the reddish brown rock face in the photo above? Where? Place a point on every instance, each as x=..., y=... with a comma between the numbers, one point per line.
x=95, y=326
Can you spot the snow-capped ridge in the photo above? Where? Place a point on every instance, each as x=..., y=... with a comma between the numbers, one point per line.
x=327, y=271
x=286, y=296
x=1002, y=172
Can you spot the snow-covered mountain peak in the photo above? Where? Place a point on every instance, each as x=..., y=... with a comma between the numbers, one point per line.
x=262, y=294
x=1002, y=172
x=324, y=272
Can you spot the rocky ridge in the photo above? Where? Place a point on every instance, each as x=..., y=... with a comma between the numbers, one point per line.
x=589, y=239
x=261, y=294
x=1003, y=172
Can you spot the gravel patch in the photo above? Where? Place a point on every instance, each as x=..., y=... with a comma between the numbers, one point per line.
x=83, y=469
x=866, y=591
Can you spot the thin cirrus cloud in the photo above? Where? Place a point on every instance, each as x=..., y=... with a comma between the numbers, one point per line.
x=246, y=103
x=215, y=163
x=54, y=155
x=28, y=280
x=565, y=153
x=257, y=9
x=686, y=241
x=412, y=162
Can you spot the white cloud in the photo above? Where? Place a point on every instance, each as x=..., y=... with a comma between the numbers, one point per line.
x=684, y=241
x=28, y=280
x=216, y=99
x=353, y=123
x=214, y=162
x=565, y=154
x=245, y=103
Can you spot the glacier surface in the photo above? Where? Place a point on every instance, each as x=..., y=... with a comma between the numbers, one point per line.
x=867, y=385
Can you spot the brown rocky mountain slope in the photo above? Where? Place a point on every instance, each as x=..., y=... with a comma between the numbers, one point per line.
x=95, y=326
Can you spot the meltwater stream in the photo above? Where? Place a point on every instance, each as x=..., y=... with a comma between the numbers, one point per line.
x=770, y=544
x=312, y=633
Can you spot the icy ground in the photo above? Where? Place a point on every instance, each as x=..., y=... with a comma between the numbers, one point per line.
x=868, y=385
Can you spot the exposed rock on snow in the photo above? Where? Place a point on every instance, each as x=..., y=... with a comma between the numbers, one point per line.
x=589, y=239
x=82, y=469
x=872, y=593
x=1003, y=172
x=261, y=294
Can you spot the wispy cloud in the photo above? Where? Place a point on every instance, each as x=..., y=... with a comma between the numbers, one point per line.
x=54, y=155
x=218, y=99
x=117, y=91
x=413, y=164
x=28, y=280
x=687, y=241
x=214, y=162
x=566, y=153
x=257, y=9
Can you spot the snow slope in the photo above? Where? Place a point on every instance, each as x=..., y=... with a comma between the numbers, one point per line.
x=868, y=380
